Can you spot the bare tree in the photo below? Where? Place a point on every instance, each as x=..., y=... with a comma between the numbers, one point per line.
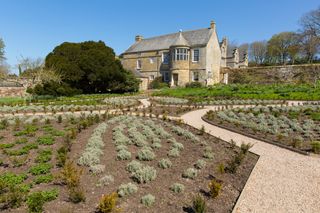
x=310, y=32
x=311, y=22
x=4, y=70
x=35, y=69
x=258, y=51
x=2, y=46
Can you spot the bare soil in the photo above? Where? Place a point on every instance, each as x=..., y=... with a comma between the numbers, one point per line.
x=166, y=200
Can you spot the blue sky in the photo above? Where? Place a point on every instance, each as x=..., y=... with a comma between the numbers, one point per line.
x=32, y=28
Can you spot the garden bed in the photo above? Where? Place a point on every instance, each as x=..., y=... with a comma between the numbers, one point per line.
x=182, y=159
x=293, y=127
x=165, y=199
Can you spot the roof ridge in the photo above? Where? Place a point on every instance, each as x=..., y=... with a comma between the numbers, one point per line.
x=174, y=33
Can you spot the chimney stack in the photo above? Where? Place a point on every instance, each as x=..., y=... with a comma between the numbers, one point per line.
x=138, y=38
x=213, y=25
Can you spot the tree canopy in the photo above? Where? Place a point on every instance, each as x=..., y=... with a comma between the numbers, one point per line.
x=89, y=67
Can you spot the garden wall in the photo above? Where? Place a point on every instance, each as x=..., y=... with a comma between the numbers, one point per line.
x=309, y=73
x=14, y=87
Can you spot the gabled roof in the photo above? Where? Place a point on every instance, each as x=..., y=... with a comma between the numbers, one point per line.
x=193, y=38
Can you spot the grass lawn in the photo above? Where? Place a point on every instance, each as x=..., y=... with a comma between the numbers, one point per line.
x=246, y=91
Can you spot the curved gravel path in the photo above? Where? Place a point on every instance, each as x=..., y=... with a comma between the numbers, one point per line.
x=282, y=180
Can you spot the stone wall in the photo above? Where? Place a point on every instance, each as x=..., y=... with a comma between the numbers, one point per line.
x=309, y=73
x=14, y=87
x=12, y=91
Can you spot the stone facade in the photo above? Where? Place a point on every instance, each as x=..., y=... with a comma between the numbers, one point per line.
x=179, y=58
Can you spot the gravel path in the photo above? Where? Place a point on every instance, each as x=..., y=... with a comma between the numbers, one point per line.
x=282, y=180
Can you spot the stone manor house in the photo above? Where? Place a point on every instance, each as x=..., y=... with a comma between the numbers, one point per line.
x=182, y=57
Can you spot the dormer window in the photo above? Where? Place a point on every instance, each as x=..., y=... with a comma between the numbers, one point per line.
x=139, y=64
x=181, y=54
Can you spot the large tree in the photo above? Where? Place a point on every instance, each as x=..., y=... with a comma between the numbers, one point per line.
x=280, y=47
x=91, y=67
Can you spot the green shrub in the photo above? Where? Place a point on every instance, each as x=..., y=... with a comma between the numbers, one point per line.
x=177, y=187
x=145, y=174
x=199, y=204
x=35, y=202
x=200, y=164
x=190, y=173
x=21, y=141
x=221, y=168
x=127, y=189
x=124, y=155
x=43, y=156
x=45, y=140
x=316, y=147
x=11, y=196
x=59, y=119
x=29, y=130
x=194, y=84
x=245, y=147
x=235, y=162
x=76, y=194
x=41, y=168
x=148, y=200
x=43, y=179
x=165, y=163
x=6, y=145
x=158, y=83
x=146, y=154
x=61, y=156
x=214, y=188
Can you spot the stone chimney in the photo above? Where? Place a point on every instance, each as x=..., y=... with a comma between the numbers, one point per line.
x=138, y=38
x=213, y=25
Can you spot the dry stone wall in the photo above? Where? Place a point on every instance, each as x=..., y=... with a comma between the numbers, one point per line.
x=274, y=74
